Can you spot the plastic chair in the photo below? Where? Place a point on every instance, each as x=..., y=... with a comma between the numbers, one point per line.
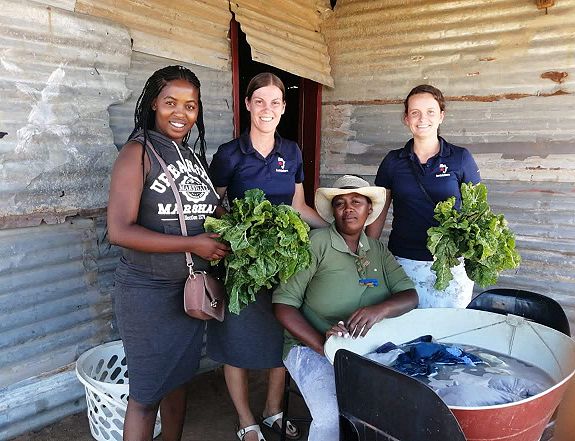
x=532, y=306
x=377, y=403
x=288, y=390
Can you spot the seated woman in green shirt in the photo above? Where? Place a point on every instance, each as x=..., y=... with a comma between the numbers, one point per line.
x=352, y=283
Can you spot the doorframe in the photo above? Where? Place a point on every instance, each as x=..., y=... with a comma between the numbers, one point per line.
x=309, y=119
x=234, y=26
x=309, y=128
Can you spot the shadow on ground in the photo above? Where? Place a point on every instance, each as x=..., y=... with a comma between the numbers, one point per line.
x=210, y=415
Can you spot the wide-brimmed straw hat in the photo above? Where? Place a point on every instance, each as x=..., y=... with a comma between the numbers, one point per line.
x=349, y=184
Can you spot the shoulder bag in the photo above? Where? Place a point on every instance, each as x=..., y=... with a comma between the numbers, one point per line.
x=204, y=295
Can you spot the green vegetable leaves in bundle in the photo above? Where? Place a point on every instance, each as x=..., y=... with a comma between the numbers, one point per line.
x=269, y=244
x=475, y=233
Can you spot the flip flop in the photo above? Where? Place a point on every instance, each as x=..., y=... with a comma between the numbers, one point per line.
x=272, y=422
x=241, y=433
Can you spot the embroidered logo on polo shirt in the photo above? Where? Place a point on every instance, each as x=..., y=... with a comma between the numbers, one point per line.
x=281, y=165
x=442, y=171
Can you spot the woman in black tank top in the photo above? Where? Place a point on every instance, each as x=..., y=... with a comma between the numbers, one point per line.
x=162, y=344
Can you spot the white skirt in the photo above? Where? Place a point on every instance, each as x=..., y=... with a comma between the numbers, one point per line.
x=456, y=295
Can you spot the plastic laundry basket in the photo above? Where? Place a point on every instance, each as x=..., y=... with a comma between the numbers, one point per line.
x=104, y=373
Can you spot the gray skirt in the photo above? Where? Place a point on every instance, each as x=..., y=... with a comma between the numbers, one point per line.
x=251, y=340
x=163, y=345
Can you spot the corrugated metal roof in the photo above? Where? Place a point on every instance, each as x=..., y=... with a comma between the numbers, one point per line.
x=59, y=72
x=488, y=49
x=287, y=35
x=193, y=31
x=216, y=98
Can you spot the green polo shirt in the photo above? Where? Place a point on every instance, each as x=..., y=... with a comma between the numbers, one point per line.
x=329, y=289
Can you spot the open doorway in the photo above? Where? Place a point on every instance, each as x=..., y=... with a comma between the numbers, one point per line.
x=301, y=121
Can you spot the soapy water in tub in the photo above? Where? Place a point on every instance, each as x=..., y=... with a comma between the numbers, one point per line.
x=495, y=379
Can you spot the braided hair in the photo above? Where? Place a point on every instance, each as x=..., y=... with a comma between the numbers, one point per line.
x=145, y=117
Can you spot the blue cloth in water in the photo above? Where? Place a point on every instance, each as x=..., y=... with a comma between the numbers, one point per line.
x=422, y=356
x=389, y=346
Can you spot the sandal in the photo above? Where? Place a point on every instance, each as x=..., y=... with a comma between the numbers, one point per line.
x=241, y=433
x=272, y=422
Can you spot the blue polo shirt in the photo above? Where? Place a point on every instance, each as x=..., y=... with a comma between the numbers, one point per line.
x=441, y=176
x=239, y=167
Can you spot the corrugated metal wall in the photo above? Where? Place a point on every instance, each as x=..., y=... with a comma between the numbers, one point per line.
x=59, y=72
x=531, y=139
x=55, y=285
x=287, y=35
x=193, y=31
x=216, y=98
x=470, y=48
x=62, y=4
x=52, y=304
x=507, y=67
x=508, y=71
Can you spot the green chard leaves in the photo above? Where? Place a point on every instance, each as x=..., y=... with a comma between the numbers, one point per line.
x=475, y=233
x=269, y=244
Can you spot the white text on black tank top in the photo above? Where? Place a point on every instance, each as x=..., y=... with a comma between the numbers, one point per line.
x=193, y=185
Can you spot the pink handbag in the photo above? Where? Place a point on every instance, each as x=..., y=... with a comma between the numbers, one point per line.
x=204, y=295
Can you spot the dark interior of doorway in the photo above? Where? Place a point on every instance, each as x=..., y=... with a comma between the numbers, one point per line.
x=288, y=126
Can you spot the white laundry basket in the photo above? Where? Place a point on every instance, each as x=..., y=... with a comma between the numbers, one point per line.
x=104, y=373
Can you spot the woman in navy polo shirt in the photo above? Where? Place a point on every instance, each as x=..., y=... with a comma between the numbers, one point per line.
x=259, y=158
x=427, y=170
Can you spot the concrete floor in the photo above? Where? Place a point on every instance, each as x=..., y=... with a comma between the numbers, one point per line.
x=210, y=415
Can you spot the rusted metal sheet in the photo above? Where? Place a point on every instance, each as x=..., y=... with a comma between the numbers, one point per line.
x=59, y=72
x=480, y=50
x=287, y=35
x=62, y=4
x=508, y=72
x=216, y=98
x=526, y=154
x=192, y=31
x=528, y=140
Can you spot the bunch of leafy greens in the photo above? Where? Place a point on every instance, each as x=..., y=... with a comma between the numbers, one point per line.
x=475, y=233
x=269, y=244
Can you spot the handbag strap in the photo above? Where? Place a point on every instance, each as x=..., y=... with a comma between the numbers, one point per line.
x=179, y=205
x=418, y=179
